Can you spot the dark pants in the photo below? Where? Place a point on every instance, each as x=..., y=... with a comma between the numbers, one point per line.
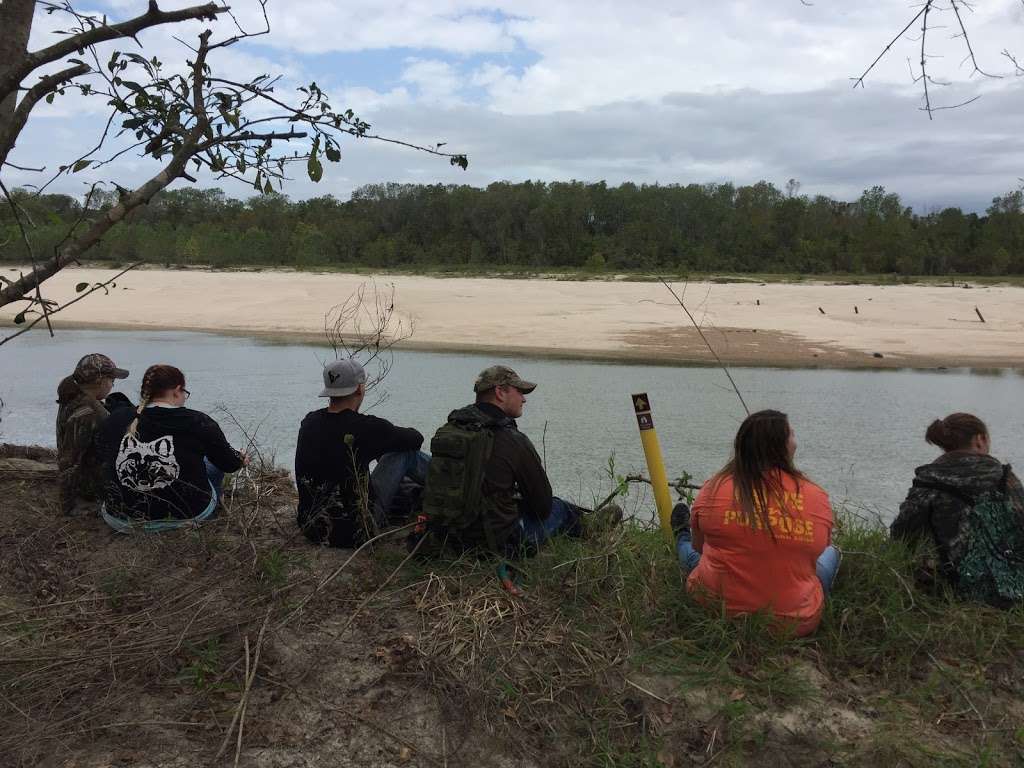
x=564, y=518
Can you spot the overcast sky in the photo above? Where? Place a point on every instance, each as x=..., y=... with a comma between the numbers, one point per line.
x=669, y=92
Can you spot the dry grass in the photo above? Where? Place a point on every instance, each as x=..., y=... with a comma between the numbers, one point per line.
x=241, y=640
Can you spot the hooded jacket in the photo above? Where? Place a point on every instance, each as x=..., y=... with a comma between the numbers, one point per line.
x=942, y=514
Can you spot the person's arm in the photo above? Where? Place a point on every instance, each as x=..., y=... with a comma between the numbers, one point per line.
x=913, y=519
x=216, y=447
x=700, y=504
x=531, y=479
x=385, y=437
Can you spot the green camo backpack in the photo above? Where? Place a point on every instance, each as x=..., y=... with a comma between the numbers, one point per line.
x=992, y=566
x=453, y=496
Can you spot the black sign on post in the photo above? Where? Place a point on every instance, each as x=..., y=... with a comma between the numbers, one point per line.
x=642, y=406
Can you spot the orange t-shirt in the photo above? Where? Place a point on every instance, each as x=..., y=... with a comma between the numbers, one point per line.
x=748, y=569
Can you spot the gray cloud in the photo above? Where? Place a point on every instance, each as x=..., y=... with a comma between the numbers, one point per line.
x=836, y=141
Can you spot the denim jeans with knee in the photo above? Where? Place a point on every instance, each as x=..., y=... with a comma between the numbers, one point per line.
x=387, y=476
x=563, y=519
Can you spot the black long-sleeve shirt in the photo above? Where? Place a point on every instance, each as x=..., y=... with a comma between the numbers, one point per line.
x=159, y=472
x=332, y=460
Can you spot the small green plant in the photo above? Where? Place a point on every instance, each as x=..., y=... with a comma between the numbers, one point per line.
x=272, y=568
x=205, y=665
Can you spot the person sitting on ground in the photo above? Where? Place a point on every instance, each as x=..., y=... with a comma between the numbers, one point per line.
x=340, y=501
x=164, y=463
x=759, y=536
x=971, y=508
x=486, y=485
x=80, y=413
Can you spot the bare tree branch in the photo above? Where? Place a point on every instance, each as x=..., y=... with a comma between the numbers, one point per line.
x=365, y=327
x=104, y=286
x=46, y=85
x=31, y=255
x=10, y=79
x=140, y=196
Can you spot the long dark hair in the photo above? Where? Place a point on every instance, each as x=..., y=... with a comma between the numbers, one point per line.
x=955, y=432
x=760, y=456
x=155, y=381
x=68, y=390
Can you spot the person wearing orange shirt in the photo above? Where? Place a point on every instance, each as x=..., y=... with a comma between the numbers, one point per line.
x=759, y=537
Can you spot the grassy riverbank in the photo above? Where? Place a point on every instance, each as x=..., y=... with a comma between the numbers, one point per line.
x=150, y=652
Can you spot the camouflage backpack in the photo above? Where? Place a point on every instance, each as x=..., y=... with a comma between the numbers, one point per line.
x=453, y=498
x=992, y=567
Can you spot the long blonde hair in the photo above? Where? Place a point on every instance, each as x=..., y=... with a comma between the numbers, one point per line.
x=155, y=381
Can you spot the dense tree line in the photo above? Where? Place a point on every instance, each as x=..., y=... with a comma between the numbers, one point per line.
x=698, y=227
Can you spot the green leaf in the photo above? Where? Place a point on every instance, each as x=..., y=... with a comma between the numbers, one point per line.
x=332, y=153
x=81, y=287
x=314, y=168
x=81, y=165
x=19, y=318
x=49, y=98
x=268, y=188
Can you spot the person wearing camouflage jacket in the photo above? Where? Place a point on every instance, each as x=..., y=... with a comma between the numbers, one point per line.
x=971, y=507
x=80, y=413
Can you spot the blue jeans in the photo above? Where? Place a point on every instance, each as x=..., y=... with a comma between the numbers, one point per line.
x=827, y=565
x=387, y=476
x=216, y=477
x=563, y=518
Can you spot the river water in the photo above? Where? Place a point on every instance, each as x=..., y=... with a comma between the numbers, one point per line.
x=860, y=433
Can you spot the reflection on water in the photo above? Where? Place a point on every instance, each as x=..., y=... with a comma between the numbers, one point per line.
x=860, y=433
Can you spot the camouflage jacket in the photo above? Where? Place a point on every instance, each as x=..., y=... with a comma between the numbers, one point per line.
x=78, y=467
x=943, y=514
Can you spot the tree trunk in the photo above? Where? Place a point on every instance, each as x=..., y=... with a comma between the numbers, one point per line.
x=16, y=23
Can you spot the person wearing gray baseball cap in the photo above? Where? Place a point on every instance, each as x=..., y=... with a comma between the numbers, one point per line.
x=341, y=502
x=80, y=412
x=486, y=485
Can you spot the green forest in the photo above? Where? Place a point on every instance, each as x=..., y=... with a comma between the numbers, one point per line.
x=536, y=225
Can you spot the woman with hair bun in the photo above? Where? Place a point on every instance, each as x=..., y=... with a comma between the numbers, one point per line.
x=164, y=463
x=971, y=507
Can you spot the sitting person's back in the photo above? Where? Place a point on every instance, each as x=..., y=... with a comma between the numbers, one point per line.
x=80, y=415
x=761, y=531
x=486, y=487
x=970, y=506
x=339, y=501
x=163, y=461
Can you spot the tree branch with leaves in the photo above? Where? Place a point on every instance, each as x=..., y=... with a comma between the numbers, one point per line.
x=193, y=121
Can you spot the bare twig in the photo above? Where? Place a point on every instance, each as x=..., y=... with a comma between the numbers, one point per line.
x=98, y=287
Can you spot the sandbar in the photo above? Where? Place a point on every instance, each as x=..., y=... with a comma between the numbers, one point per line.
x=746, y=323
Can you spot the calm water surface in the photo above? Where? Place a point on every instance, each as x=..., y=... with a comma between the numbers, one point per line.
x=860, y=433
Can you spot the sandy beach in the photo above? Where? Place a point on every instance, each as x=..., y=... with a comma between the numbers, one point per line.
x=748, y=323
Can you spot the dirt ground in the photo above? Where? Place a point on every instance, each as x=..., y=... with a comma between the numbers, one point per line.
x=125, y=650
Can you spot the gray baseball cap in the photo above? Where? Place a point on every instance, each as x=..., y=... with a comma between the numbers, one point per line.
x=342, y=378
x=501, y=375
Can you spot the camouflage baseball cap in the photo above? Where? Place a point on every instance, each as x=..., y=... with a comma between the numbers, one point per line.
x=500, y=376
x=96, y=366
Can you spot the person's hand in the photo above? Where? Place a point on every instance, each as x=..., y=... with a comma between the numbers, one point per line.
x=244, y=457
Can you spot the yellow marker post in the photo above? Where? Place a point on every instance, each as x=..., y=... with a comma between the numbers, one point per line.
x=655, y=464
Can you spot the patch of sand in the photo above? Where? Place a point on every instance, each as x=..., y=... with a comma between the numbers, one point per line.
x=748, y=323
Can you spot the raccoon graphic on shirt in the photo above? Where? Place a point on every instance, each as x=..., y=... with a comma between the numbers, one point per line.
x=143, y=466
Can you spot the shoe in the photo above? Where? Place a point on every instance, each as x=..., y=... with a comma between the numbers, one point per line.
x=680, y=520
